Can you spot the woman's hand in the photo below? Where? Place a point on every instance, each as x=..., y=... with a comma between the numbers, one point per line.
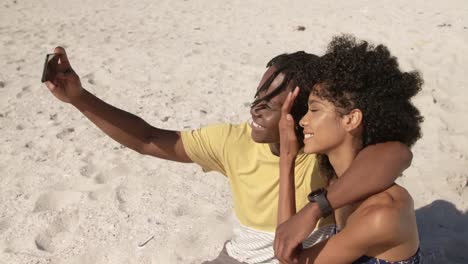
x=65, y=83
x=289, y=147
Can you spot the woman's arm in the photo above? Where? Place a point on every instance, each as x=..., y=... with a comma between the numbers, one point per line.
x=287, y=192
x=288, y=152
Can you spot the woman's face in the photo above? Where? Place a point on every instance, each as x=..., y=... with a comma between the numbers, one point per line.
x=323, y=126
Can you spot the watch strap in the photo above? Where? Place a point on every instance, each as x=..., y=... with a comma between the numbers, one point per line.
x=320, y=197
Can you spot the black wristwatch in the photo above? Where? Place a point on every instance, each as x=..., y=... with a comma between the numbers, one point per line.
x=319, y=196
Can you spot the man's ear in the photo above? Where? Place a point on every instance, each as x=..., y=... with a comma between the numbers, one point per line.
x=352, y=120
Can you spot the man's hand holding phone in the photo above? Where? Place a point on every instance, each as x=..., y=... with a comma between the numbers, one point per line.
x=60, y=78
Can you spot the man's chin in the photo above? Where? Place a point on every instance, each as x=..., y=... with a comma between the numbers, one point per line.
x=256, y=138
x=259, y=139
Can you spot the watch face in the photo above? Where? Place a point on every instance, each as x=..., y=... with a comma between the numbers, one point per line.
x=314, y=193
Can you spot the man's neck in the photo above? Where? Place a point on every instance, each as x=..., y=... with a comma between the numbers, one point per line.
x=274, y=148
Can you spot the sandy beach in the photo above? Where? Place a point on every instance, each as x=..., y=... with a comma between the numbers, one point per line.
x=70, y=194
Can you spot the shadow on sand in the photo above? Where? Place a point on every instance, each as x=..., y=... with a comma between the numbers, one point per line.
x=443, y=231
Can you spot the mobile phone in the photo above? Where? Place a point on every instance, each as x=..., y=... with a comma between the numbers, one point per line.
x=49, y=68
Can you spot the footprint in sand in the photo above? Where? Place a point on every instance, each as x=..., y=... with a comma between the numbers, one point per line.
x=54, y=235
x=88, y=170
x=180, y=211
x=101, y=179
x=108, y=61
x=105, y=193
x=56, y=200
x=114, y=173
x=24, y=90
x=5, y=224
x=122, y=194
x=65, y=132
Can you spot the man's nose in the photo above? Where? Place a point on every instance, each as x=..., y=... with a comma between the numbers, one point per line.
x=255, y=110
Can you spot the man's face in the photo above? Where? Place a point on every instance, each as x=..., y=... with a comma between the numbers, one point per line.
x=266, y=114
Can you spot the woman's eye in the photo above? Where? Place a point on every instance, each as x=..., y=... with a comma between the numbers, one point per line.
x=313, y=110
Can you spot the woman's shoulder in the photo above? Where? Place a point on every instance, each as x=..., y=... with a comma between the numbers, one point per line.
x=395, y=198
x=386, y=215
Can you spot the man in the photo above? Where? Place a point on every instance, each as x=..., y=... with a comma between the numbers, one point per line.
x=247, y=154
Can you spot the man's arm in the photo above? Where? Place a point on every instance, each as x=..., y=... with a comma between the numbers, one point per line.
x=375, y=169
x=124, y=127
x=130, y=130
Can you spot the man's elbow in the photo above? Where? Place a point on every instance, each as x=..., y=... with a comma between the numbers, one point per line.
x=404, y=154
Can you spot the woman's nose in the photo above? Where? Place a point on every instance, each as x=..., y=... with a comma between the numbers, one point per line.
x=303, y=122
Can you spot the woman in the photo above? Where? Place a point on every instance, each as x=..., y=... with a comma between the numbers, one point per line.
x=361, y=99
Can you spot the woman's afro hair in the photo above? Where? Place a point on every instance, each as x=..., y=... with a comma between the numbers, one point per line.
x=357, y=75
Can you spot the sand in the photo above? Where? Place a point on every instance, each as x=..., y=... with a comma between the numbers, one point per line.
x=69, y=194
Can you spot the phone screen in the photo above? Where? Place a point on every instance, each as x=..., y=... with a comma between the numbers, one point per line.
x=49, y=69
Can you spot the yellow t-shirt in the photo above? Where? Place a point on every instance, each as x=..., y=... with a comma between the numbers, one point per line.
x=252, y=170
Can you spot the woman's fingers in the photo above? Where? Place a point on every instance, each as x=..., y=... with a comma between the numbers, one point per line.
x=294, y=94
x=287, y=254
x=286, y=105
x=289, y=102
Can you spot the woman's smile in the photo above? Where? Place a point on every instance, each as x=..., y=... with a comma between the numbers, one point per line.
x=308, y=136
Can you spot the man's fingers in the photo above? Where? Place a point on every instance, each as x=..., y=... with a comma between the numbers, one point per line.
x=50, y=85
x=63, y=54
x=63, y=63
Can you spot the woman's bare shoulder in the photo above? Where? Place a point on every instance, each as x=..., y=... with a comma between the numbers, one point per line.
x=385, y=215
x=394, y=198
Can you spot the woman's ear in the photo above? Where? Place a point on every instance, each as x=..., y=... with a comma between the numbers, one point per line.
x=352, y=120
